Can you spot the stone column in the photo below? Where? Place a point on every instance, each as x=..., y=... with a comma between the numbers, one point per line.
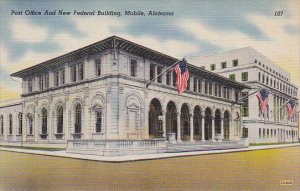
x=213, y=128
x=178, y=128
x=202, y=126
x=164, y=123
x=222, y=128
x=191, y=128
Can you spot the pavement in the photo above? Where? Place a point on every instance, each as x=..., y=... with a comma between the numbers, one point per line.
x=128, y=158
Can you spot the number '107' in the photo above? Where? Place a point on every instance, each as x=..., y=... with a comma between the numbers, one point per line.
x=278, y=13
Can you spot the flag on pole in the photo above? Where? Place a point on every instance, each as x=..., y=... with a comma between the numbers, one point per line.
x=182, y=74
x=290, y=107
x=263, y=97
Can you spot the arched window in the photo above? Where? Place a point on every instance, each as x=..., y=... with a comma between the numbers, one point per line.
x=10, y=124
x=78, y=118
x=20, y=123
x=60, y=119
x=44, y=122
x=30, y=124
x=1, y=123
x=98, y=121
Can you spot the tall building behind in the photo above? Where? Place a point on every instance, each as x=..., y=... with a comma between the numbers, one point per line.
x=248, y=66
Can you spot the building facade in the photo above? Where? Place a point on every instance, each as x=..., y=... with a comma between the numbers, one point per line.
x=250, y=67
x=98, y=92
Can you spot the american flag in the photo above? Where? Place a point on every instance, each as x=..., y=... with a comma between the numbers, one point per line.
x=290, y=107
x=263, y=97
x=182, y=75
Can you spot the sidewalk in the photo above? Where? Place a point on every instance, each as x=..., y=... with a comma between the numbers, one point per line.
x=128, y=158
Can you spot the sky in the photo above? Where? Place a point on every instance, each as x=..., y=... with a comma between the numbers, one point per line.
x=196, y=28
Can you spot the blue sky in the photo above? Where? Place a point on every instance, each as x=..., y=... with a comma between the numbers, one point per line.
x=197, y=27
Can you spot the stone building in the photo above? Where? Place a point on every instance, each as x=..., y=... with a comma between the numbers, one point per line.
x=250, y=67
x=98, y=93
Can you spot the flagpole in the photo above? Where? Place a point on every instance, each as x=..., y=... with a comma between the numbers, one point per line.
x=163, y=72
x=281, y=106
x=242, y=98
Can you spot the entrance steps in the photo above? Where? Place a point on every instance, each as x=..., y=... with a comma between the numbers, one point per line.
x=202, y=146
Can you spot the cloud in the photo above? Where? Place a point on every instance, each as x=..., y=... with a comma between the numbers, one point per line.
x=7, y=93
x=24, y=31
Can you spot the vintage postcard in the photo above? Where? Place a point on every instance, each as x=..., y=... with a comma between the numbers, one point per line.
x=149, y=95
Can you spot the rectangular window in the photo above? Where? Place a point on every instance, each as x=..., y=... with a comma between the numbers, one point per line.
x=188, y=85
x=267, y=80
x=195, y=84
x=236, y=95
x=200, y=86
x=264, y=132
x=98, y=121
x=133, y=68
x=212, y=67
x=30, y=85
x=152, y=71
x=74, y=73
x=223, y=65
x=271, y=82
x=41, y=82
x=232, y=76
x=224, y=92
x=56, y=78
x=98, y=66
x=206, y=87
x=81, y=71
x=216, y=90
x=210, y=89
x=259, y=76
x=268, y=133
x=235, y=63
x=62, y=76
x=245, y=106
x=228, y=93
x=259, y=132
x=47, y=81
x=245, y=76
x=174, y=78
x=168, y=76
x=159, y=70
x=220, y=89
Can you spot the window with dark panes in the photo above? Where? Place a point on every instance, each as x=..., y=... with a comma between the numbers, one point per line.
x=60, y=119
x=223, y=65
x=133, y=65
x=195, y=84
x=174, y=78
x=159, y=70
x=81, y=71
x=30, y=85
x=56, y=78
x=232, y=76
x=235, y=63
x=98, y=66
x=200, y=86
x=212, y=67
x=47, y=81
x=245, y=106
x=98, y=121
x=20, y=123
x=168, y=76
x=245, y=76
x=10, y=124
x=210, y=89
x=152, y=71
x=62, y=76
x=74, y=73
